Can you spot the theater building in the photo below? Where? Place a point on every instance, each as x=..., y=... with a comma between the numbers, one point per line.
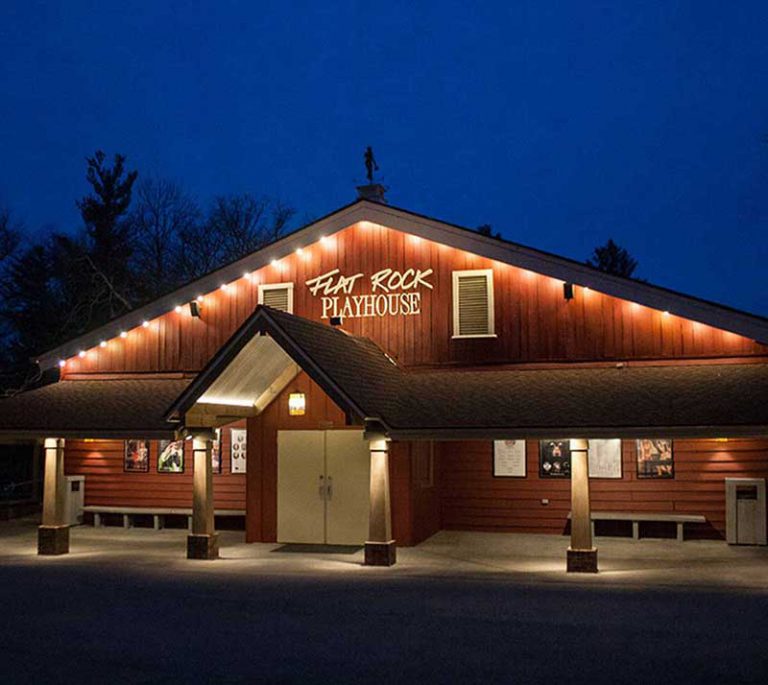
x=379, y=375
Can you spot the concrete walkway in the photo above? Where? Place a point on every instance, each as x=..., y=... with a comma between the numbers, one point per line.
x=623, y=562
x=127, y=607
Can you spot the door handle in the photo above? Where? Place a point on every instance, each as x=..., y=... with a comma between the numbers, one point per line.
x=330, y=487
x=321, y=487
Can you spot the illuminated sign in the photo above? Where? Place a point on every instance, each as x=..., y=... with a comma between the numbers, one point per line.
x=393, y=293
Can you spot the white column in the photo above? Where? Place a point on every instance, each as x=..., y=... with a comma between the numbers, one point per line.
x=380, y=547
x=202, y=543
x=53, y=534
x=582, y=556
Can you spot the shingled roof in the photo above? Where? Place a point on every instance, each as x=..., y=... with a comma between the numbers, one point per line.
x=93, y=408
x=620, y=401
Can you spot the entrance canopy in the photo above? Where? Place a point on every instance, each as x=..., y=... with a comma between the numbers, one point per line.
x=620, y=400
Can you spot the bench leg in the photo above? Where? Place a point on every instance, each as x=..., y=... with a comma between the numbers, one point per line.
x=97, y=520
x=635, y=530
x=680, y=532
x=126, y=521
x=156, y=522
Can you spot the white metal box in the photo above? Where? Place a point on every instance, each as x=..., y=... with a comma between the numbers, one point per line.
x=74, y=500
x=745, y=513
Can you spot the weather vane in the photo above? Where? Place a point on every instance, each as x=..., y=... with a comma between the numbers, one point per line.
x=370, y=163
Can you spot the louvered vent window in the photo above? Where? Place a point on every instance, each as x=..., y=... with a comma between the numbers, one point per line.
x=473, y=303
x=278, y=296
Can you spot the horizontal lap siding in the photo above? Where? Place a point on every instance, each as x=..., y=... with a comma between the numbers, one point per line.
x=534, y=322
x=107, y=484
x=472, y=499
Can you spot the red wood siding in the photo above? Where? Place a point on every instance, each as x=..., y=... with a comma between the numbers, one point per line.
x=101, y=462
x=472, y=499
x=534, y=322
x=415, y=502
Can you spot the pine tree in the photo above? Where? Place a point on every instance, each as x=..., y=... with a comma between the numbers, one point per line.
x=613, y=259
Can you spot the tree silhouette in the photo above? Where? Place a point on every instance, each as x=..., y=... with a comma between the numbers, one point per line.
x=613, y=259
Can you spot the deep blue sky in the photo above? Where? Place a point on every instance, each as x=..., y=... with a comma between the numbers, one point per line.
x=562, y=124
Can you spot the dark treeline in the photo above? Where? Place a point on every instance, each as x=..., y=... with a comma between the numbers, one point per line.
x=139, y=238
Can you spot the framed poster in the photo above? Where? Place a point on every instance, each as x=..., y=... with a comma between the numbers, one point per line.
x=136, y=458
x=555, y=458
x=171, y=456
x=604, y=458
x=238, y=450
x=655, y=459
x=509, y=458
x=216, y=453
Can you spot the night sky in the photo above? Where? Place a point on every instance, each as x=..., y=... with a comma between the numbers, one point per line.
x=561, y=124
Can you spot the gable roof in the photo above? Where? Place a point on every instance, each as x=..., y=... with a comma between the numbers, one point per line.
x=618, y=401
x=719, y=316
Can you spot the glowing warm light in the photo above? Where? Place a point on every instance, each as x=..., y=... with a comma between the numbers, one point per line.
x=103, y=343
x=123, y=334
x=274, y=262
x=81, y=354
x=178, y=309
x=224, y=287
x=634, y=306
x=586, y=288
x=62, y=363
x=324, y=239
x=199, y=298
x=415, y=239
x=666, y=313
x=246, y=276
x=297, y=404
x=299, y=251
x=145, y=323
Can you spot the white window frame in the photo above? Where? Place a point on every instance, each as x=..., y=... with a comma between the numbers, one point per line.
x=277, y=286
x=488, y=273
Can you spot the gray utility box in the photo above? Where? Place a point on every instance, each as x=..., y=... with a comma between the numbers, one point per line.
x=74, y=500
x=745, y=519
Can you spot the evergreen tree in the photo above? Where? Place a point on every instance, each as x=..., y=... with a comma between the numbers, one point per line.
x=108, y=245
x=613, y=259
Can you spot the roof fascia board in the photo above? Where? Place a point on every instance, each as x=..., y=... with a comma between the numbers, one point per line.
x=89, y=433
x=328, y=225
x=569, y=271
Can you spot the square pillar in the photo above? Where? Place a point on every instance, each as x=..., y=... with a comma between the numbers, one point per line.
x=53, y=534
x=380, y=548
x=202, y=542
x=582, y=556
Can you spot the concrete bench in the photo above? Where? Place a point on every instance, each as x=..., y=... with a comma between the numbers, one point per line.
x=636, y=518
x=158, y=514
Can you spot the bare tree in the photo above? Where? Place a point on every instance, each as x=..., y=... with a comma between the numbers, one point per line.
x=162, y=213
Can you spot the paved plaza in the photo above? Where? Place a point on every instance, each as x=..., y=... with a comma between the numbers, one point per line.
x=126, y=607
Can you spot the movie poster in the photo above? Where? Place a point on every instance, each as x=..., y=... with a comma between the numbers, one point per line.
x=136, y=456
x=604, y=458
x=171, y=457
x=238, y=449
x=509, y=458
x=655, y=459
x=555, y=458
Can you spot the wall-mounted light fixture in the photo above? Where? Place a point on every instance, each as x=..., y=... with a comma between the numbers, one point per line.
x=336, y=321
x=297, y=404
x=568, y=291
x=194, y=309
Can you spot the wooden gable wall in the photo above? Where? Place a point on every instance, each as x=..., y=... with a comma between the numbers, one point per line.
x=534, y=322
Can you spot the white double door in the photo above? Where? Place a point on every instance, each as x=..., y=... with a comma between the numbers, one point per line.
x=323, y=483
